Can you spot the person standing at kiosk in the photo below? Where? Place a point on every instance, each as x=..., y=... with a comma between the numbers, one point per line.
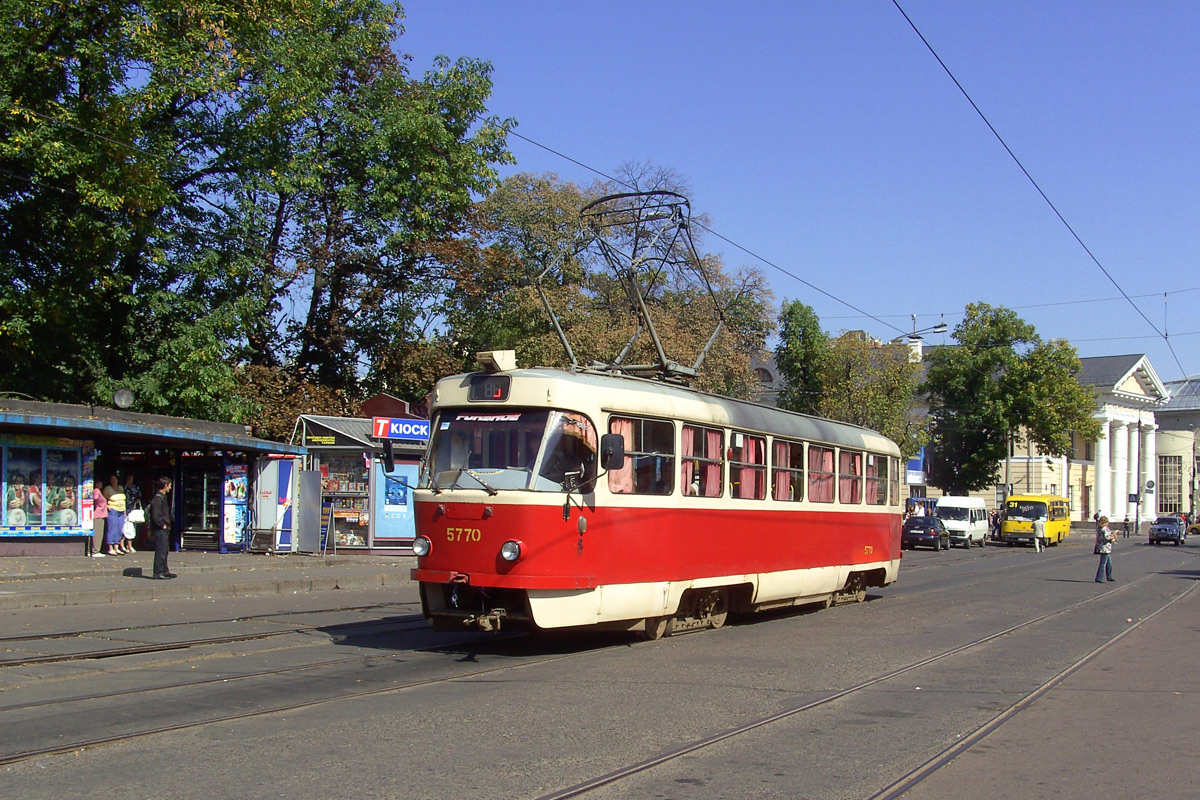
x=161, y=521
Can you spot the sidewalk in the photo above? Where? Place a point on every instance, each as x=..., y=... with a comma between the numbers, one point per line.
x=33, y=581
x=1123, y=726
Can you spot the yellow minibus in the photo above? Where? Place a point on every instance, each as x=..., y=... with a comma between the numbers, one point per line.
x=1021, y=510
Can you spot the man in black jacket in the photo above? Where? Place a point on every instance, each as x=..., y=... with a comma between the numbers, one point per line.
x=160, y=526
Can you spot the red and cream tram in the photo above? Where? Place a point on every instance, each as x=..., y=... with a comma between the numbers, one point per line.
x=555, y=499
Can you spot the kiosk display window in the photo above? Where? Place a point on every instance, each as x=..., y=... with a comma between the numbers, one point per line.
x=344, y=490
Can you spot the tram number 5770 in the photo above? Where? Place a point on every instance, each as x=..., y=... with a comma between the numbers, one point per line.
x=463, y=534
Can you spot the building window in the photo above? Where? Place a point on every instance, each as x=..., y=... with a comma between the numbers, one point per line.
x=1170, y=484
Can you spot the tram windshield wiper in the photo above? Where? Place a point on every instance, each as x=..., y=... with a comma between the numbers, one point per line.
x=486, y=486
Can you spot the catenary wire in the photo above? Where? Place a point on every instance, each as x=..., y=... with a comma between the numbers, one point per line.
x=1045, y=197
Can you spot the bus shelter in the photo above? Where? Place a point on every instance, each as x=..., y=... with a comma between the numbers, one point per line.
x=53, y=456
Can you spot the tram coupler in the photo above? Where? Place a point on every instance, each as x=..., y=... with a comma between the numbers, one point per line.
x=487, y=622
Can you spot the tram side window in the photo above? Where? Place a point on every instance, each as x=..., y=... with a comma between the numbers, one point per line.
x=894, y=480
x=748, y=467
x=787, y=471
x=877, y=480
x=850, y=472
x=820, y=474
x=701, y=470
x=649, y=466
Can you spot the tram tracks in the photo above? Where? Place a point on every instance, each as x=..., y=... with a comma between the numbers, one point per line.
x=911, y=779
x=77, y=745
x=402, y=685
x=187, y=644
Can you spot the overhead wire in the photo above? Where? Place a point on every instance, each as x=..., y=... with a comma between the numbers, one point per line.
x=1166, y=339
x=723, y=238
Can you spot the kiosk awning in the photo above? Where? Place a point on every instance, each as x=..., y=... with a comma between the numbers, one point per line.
x=152, y=430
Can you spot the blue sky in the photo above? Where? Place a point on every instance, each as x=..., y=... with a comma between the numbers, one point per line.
x=824, y=137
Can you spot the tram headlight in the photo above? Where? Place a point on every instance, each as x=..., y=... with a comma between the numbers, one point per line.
x=421, y=546
x=510, y=550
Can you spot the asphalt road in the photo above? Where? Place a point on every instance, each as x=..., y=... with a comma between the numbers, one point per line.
x=982, y=673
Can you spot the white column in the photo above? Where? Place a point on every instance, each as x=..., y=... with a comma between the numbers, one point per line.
x=1150, y=470
x=1119, y=502
x=1103, y=504
x=1135, y=484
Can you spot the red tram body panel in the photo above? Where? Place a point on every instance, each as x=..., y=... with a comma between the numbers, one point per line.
x=710, y=505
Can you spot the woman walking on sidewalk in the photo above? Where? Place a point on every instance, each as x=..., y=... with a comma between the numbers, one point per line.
x=1104, y=546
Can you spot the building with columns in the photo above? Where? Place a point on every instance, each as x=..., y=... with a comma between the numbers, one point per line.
x=1124, y=459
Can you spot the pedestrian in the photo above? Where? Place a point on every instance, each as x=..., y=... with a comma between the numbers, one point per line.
x=1039, y=533
x=1125, y=529
x=1104, y=546
x=114, y=534
x=133, y=499
x=99, y=521
x=160, y=525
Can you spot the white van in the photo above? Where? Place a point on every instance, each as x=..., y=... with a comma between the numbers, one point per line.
x=966, y=518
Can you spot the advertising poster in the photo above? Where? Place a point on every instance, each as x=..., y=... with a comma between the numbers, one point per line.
x=236, y=518
x=393, y=502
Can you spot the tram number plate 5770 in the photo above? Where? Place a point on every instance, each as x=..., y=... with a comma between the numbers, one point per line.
x=463, y=534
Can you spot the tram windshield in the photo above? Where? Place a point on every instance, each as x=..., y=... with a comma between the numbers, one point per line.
x=1024, y=510
x=536, y=450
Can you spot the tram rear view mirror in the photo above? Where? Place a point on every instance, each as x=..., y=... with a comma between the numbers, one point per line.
x=612, y=451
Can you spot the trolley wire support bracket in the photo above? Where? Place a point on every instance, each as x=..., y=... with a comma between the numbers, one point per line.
x=645, y=239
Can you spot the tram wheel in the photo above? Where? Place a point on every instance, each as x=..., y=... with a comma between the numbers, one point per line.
x=720, y=610
x=655, y=628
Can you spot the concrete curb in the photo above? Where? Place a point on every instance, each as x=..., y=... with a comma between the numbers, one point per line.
x=184, y=589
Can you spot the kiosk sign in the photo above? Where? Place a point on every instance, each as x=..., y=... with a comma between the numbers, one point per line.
x=413, y=430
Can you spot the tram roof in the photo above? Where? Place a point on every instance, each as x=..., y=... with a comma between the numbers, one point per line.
x=744, y=414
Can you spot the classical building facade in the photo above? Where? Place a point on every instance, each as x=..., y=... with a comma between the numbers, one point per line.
x=1125, y=460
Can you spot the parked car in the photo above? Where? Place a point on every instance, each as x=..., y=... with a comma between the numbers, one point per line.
x=1168, y=529
x=924, y=532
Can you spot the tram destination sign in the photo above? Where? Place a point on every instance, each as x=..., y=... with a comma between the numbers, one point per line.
x=408, y=430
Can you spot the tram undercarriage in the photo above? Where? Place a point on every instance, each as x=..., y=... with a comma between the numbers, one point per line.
x=462, y=606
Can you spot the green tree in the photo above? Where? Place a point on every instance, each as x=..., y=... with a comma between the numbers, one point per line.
x=1000, y=381
x=873, y=386
x=800, y=358
x=191, y=190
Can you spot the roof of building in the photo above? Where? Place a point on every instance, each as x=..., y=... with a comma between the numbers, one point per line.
x=154, y=430
x=1128, y=377
x=1185, y=394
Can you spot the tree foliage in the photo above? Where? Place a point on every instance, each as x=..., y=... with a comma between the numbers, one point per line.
x=530, y=226
x=874, y=386
x=850, y=378
x=190, y=190
x=800, y=357
x=1000, y=381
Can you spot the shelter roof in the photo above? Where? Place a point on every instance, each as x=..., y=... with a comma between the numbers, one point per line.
x=154, y=430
